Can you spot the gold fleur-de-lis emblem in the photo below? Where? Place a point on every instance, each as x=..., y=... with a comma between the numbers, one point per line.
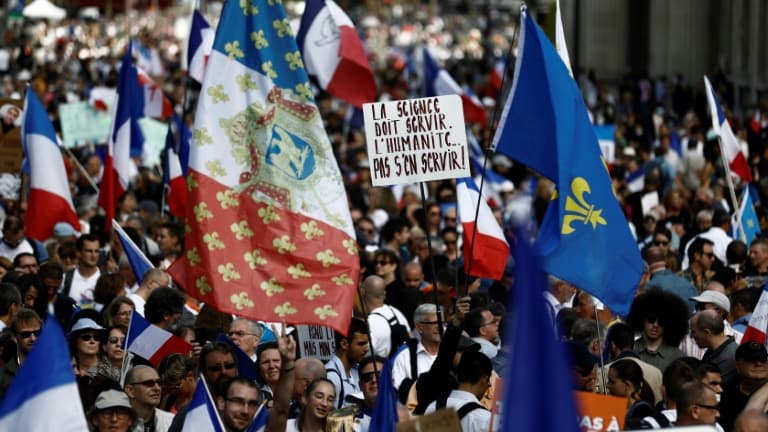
x=259, y=40
x=245, y=82
x=327, y=258
x=268, y=215
x=228, y=272
x=193, y=257
x=217, y=93
x=215, y=169
x=313, y=292
x=227, y=199
x=311, y=230
x=248, y=8
x=304, y=91
x=241, y=300
x=187, y=228
x=201, y=212
x=203, y=287
x=298, y=271
x=283, y=27
x=285, y=309
x=283, y=245
x=233, y=50
x=750, y=223
x=268, y=70
x=241, y=230
x=201, y=137
x=350, y=245
x=325, y=312
x=271, y=287
x=254, y=259
x=579, y=209
x=294, y=60
x=343, y=279
x=191, y=182
x=338, y=221
x=212, y=241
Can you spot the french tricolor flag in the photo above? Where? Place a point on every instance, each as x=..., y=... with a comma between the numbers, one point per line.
x=151, y=342
x=125, y=134
x=202, y=415
x=49, y=198
x=728, y=142
x=156, y=103
x=334, y=54
x=199, y=47
x=758, y=324
x=175, y=162
x=497, y=74
x=140, y=264
x=488, y=256
x=438, y=82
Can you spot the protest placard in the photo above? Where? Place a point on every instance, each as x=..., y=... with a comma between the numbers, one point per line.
x=600, y=413
x=416, y=140
x=82, y=125
x=315, y=341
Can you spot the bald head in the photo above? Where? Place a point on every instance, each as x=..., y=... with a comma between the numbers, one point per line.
x=307, y=370
x=653, y=255
x=375, y=290
x=715, y=286
x=413, y=275
x=708, y=320
x=751, y=420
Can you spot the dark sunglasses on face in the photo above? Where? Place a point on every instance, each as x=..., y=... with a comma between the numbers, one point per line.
x=220, y=366
x=87, y=337
x=28, y=334
x=116, y=340
x=149, y=383
x=368, y=376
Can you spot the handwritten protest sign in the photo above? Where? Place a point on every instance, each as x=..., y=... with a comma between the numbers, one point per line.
x=416, y=140
x=315, y=341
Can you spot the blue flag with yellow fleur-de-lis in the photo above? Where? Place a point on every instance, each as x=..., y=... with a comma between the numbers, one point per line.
x=585, y=237
x=268, y=230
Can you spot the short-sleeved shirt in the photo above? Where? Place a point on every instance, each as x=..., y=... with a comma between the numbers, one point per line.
x=477, y=420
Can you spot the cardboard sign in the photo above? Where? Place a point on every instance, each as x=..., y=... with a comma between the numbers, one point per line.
x=11, y=153
x=82, y=125
x=316, y=342
x=598, y=413
x=444, y=420
x=416, y=140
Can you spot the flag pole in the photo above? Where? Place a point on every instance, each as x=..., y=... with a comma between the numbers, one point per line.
x=81, y=168
x=364, y=310
x=432, y=263
x=494, y=119
x=123, y=368
x=729, y=181
x=600, y=357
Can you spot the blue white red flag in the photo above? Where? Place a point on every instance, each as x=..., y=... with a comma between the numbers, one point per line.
x=334, y=54
x=156, y=103
x=259, y=423
x=175, y=163
x=728, y=142
x=438, y=82
x=202, y=415
x=758, y=324
x=199, y=47
x=49, y=198
x=270, y=236
x=485, y=248
x=151, y=342
x=44, y=394
x=140, y=264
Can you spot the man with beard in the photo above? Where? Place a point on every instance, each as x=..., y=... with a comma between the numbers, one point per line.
x=238, y=404
x=483, y=328
x=142, y=385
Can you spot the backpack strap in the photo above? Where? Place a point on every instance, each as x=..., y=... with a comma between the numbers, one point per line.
x=341, y=383
x=440, y=403
x=468, y=408
x=68, y=276
x=412, y=344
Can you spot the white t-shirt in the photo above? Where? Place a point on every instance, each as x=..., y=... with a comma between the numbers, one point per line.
x=10, y=253
x=381, y=332
x=81, y=289
x=477, y=420
x=401, y=367
x=139, y=302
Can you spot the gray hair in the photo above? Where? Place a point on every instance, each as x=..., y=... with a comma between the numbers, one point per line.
x=253, y=326
x=423, y=310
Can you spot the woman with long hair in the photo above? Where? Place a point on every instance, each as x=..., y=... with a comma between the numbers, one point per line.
x=625, y=379
x=118, y=312
x=177, y=374
x=112, y=353
x=85, y=341
x=318, y=403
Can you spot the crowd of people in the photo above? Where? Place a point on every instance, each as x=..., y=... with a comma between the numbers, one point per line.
x=676, y=357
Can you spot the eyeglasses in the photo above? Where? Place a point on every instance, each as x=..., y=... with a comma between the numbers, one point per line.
x=87, y=337
x=660, y=243
x=712, y=407
x=652, y=319
x=708, y=254
x=449, y=242
x=239, y=334
x=369, y=376
x=449, y=219
x=149, y=383
x=221, y=366
x=114, y=412
x=116, y=340
x=383, y=262
x=490, y=322
x=28, y=334
x=240, y=402
x=428, y=322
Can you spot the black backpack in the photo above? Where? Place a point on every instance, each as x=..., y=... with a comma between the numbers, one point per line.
x=398, y=334
x=461, y=412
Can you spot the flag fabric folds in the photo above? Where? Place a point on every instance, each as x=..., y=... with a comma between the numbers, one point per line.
x=246, y=368
x=334, y=54
x=156, y=103
x=728, y=142
x=585, y=237
x=175, y=161
x=561, y=46
x=259, y=423
x=748, y=226
x=384, y=416
x=270, y=236
x=44, y=394
x=140, y=264
x=202, y=415
x=199, y=47
x=125, y=139
x=485, y=248
x=758, y=323
x=438, y=82
x=530, y=351
x=151, y=342
x=50, y=200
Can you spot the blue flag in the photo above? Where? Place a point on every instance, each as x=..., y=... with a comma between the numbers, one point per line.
x=533, y=351
x=44, y=395
x=584, y=238
x=246, y=368
x=259, y=423
x=384, y=415
x=140, y=264
x=749, y=226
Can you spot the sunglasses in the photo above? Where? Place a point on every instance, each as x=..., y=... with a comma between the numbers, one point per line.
x=116, y=340
x=660, y=243
x=87, y=337
x=369, y=376
x=383, y=262
x=149, y=383
x=28, y=334
x=221, y=366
